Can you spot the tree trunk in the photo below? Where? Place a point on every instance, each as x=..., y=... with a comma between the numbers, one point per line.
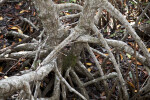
x=62, y=47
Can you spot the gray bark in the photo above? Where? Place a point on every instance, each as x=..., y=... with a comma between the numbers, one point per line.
x=51, y=51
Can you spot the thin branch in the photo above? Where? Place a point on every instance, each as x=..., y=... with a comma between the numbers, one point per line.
x=37, y=52
x=98, y=66
x=66, y=83
x=114, y=12
x=26, y=88
x=28, y=21
x=79, y=84
x=70, y=16
x=141, y=15
x=104, y=43
x=54, y=53
x=120, y=45
x=67, y=6
x=7, y=59
x=26, y=47
x=83, y=68
x=37, y=89
x=3, y=1
x=56, y=91
x=18, y=35
x=110, y=75
x=10, y=48
x=100, y=53
x=14, y=83
x=48, y=87
x=27, y=54
x=98, y=16
x=87, y=73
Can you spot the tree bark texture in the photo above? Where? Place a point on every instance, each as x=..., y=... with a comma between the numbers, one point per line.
x=53, y=53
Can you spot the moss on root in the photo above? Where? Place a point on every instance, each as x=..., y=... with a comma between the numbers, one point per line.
x=69, y=61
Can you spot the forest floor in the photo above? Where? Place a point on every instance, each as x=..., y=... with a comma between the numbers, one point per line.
x=12, y=19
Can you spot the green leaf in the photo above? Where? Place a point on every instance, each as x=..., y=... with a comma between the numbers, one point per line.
x=148, y=21
x=128, y=55
x=145, y=3
x=72, y=0
x=132, y=2
x=121, y=31
x=62, y=1
x=140, y=20
x=70, y=10
x=105, y=30
x=130, y=74
x=113, y=35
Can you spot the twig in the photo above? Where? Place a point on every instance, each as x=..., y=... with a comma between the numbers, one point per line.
x=28, y=21
x=18, y=35
x=79, y=84
x=104, y=43
x=114, y=12
x=114, y=43
x=97, y=65
x=37, y=89
x=10, y=48
x=54, y=53
x=37, y=52
x=136, y=67
x=28, y=54
x=48, y=87
x=13, y=66
x=83, y=68
x=56, y=91
x=87, y=73
x=97, y=16
x=66, y=83
x=14, y=83
x=100, y=53
x=2, y=1
x=110, y=75
x=112, y=90
x=70, y=16
x=7, y=59
x=141, y=15
x=67, y=6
